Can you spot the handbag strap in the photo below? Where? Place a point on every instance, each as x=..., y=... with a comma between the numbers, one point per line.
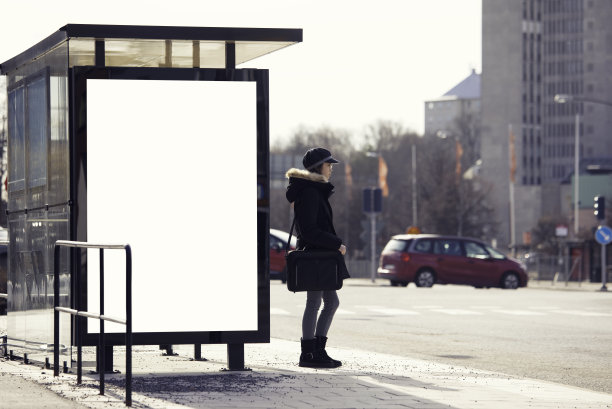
x=287, y=246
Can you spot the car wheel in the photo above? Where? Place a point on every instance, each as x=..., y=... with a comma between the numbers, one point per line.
x=393, y=283
x=510, y=281
x=404, y=283
x=425, y=278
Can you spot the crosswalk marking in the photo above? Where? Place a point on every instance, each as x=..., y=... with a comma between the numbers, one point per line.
x=279, y=311
x=583, y=313
x=519, y=312
x=394, y=311
x=473, y=310
x=547, y=307
x=458, y=312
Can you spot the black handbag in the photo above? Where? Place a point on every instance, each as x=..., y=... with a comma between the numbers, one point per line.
x=312, y=270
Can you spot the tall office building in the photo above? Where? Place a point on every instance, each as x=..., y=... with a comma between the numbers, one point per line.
x=531, y=51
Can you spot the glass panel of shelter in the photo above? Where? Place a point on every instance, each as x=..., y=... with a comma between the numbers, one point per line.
x=166, y=53
x=38, y=137
x=16, y=131
x=249, y=50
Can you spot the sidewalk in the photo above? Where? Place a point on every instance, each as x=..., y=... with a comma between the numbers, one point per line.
x=366, y=380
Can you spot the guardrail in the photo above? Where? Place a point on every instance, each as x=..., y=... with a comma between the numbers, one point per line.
x=101, y=317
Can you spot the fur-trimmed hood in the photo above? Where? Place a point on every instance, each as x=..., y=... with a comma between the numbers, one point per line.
x=304, y=174
x=301, y=179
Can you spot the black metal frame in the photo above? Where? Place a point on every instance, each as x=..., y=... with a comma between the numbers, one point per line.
x=78, y=183
x=79, y=314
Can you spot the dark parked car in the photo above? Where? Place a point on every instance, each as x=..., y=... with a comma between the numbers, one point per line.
x=278, y=241
x=427, y=259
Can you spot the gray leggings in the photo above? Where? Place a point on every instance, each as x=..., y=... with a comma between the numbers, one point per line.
x=312, y=326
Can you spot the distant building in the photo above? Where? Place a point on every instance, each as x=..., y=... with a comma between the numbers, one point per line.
x=463, y=99
x=531, y=51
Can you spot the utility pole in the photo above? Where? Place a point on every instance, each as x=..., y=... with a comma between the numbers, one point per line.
x=414, y=187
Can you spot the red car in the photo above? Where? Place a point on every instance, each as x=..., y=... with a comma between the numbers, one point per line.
x=426, y=259
x=278, y=241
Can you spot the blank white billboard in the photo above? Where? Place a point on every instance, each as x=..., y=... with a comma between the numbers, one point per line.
x=172, y=171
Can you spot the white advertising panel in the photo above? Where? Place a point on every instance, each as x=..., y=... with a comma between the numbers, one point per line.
x=171, y=170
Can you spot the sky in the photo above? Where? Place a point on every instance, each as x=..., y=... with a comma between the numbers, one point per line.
x=359, y=62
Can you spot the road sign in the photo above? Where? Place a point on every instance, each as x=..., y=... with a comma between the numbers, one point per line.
x=561, y=230
x=603, y=235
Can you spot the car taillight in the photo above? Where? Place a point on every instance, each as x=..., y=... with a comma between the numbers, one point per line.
x=405, y=257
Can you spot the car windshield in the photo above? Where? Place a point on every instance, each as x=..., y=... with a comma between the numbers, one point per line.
x=495, y=253
x=397, y=245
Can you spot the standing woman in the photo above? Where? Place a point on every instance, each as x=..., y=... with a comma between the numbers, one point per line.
x=309, y=191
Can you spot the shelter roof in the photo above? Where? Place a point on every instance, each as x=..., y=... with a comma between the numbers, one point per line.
x=154, y=41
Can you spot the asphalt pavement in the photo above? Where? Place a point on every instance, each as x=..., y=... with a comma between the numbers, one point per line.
x=366, y=380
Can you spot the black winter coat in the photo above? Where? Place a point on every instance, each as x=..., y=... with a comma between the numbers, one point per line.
x=310, y=192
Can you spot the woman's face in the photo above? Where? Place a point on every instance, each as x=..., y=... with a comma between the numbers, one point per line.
x=326, y=170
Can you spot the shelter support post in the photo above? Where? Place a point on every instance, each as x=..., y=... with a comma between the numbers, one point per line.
x=197, y=353
x=235, y=357
x=106, y=356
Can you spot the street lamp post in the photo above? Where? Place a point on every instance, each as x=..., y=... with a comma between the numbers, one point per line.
x=414, y=191
x=372, y=216
x=562, y=99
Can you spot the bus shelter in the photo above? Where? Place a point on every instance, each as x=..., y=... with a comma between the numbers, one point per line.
x=149, y=136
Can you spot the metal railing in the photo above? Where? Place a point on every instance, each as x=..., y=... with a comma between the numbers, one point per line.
x=101, y=317
x=4, y=339
x=554, y=268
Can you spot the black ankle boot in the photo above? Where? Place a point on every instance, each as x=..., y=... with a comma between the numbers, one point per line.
x=311, y=358
x=321, y=341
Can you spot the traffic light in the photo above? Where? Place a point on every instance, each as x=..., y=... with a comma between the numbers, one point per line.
x=372, y=200
x=599, y=207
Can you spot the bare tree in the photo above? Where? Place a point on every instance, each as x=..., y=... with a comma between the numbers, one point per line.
x=451, y=204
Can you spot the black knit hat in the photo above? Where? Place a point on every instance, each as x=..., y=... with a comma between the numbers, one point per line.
x=317, y=156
